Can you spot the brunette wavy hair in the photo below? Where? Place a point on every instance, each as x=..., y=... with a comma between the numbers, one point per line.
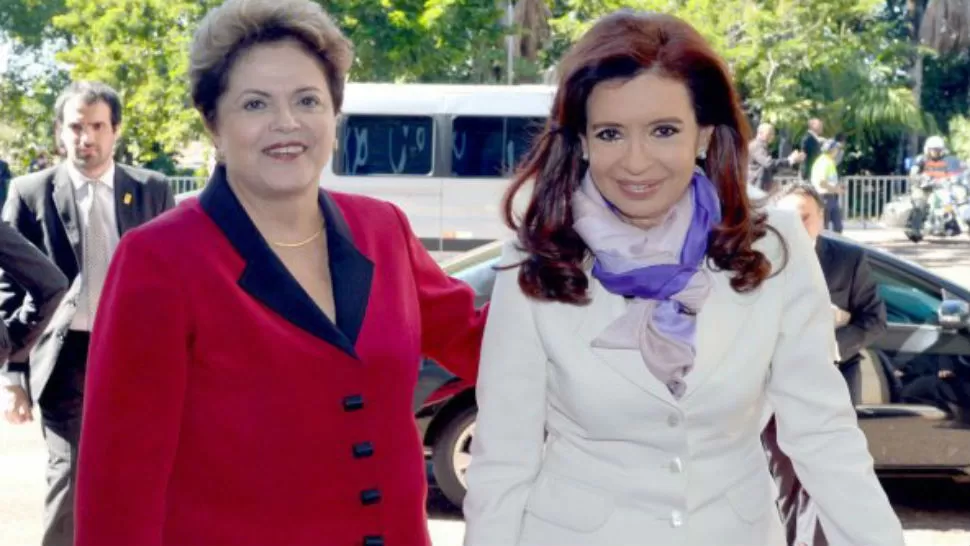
x=621, y=46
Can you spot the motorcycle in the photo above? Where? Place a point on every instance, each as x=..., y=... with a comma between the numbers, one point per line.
x=943, y=220
x=919, y=209
x=933, y=206
x=961, y=201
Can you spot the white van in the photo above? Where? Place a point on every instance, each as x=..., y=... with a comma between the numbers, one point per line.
x=443, y=153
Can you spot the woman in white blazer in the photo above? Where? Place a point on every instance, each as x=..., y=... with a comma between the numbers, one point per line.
x=648, y=320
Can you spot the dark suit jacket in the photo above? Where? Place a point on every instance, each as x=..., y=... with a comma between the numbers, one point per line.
x=42, y=208
x=813, y=148
x=853, y=289
x=761, y=166
x=5, y=177
x=44, y=286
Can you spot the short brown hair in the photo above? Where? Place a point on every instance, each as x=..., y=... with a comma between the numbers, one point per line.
x=90, y=92
x=237, y=25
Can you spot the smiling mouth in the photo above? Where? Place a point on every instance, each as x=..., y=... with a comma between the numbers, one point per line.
x=288, y=151
x=644, y=187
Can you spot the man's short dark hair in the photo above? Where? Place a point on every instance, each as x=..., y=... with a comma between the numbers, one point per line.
x=803, y=189
x=90, y=92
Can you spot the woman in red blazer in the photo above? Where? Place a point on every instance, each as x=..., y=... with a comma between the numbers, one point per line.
x=252, y=367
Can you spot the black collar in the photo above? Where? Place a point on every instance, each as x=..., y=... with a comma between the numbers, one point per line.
x=267, y=279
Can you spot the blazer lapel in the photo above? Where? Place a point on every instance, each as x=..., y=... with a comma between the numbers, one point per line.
x=719, y=325
x=604, y=309
x=127, y=200
x=267, y=279
x=351, y=272
x=66, y=206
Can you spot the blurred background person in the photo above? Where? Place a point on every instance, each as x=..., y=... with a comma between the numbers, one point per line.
x=76, y=212
x=761, y=166
x=860, y=313
x=811, y=146
x=5, y=177
x=933, y=163
x=825, y=178
x=40, y=162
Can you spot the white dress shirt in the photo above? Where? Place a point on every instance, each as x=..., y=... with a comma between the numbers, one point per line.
x=84, y=194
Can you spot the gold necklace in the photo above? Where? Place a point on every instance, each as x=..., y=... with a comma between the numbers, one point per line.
x=304, y=242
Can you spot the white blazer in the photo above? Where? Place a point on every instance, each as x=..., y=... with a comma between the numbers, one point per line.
x=626, y=464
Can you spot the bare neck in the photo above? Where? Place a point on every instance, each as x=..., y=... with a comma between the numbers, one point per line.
x=287, y=218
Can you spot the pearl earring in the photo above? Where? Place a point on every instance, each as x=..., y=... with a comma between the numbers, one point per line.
x=702, y=153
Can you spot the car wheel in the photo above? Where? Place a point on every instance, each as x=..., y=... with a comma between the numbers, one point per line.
x=451, y=455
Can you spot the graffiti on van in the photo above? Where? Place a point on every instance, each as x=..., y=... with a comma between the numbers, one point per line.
x=359, y=150
x=420, y=137
x=375, y=145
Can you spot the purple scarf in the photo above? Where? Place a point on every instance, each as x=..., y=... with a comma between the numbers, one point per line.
x=661, y=268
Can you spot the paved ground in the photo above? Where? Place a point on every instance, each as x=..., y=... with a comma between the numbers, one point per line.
x=948, y=257
x=934, y=513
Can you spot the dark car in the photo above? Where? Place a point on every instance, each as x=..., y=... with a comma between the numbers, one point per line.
x=915, y=397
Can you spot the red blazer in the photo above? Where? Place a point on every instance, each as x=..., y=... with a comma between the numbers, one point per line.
x=222, y=407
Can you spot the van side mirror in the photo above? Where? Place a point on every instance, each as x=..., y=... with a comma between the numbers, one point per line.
x=954, y=315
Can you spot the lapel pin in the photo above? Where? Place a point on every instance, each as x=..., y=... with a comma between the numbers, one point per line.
x=127, y=199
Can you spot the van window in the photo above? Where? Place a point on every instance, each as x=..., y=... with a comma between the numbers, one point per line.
x=386, y=145
x=490, y=146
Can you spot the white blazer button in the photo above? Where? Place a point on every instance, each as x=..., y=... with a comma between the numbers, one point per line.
x=677, y=466
x=676, y=518
x=673, y=420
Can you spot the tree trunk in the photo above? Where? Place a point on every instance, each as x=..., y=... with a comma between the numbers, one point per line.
x=917, y=75
x=914, y=11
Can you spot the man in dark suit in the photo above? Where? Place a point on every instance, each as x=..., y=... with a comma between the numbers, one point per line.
x=76, y=213
x=45, y=286
x=860, y=318
x=761, y=166
x=811, y=146
x=860, y=314
x=5, y=177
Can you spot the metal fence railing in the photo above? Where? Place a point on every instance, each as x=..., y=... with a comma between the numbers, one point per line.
x=863, y=202
x=865, y=197
x=182, y=184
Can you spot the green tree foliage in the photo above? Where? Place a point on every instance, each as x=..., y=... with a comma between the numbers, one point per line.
x=29, y=21
x=794, y=59
x=847, y=61
x=423, y=40
x=960, y=136
x=139, y=47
